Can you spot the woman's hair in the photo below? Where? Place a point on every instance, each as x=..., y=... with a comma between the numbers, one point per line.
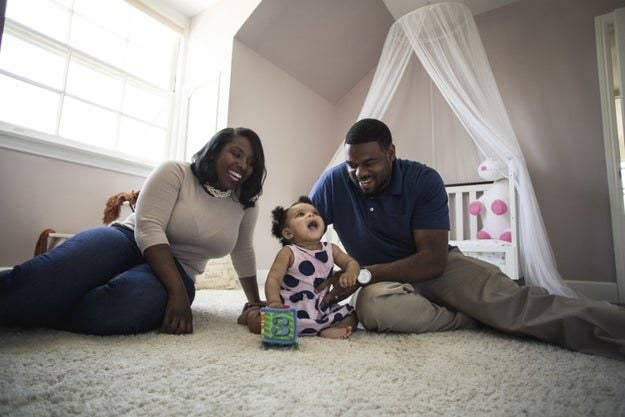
x=369, y=130
x=278, y=219
x=204, y=161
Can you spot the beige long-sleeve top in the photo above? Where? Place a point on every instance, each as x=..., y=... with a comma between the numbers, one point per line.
x=174, y=209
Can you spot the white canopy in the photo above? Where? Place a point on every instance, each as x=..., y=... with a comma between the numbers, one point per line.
x=445, y=39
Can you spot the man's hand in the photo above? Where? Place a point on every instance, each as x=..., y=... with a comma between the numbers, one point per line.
x=337, y=293
x=178, y=318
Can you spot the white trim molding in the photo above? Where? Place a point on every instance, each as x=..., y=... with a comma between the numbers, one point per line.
x=37, y=143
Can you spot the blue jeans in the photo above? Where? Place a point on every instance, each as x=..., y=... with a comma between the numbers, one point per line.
x=97, y=282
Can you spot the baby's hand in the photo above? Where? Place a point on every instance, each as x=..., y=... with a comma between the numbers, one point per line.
x=347, y=280
x=275, y=304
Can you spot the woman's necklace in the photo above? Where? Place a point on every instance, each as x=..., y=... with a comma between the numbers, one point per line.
x=215, y=192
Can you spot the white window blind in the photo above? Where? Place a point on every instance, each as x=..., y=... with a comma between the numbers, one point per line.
x=97, y=74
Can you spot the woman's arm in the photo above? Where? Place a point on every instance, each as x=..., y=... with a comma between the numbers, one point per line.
x=178, y=318
x=250, y=288
x=154, y=207
x=283, y=260
x=350, y=267
x=244, y=258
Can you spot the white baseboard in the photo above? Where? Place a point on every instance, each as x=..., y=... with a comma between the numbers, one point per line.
x=605, y=291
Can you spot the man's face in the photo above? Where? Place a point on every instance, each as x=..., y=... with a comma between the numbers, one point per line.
x=369, y=166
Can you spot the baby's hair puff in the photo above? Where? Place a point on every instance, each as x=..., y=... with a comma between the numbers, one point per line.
x=278, y=219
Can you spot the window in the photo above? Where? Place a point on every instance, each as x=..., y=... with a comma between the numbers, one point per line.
x=98, y=75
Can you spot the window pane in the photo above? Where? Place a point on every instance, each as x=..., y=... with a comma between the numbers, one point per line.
x=43, y=16
x=30, y=61
x=112, y=15
x=25, y=105
x=149, y=32
x=94, y=85
x=146, y=105
x=97, y=42
x=154, y=66
x=142, y=140
x=88, y=124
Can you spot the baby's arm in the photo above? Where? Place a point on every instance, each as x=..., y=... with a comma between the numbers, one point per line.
x=350, y=267
x=283, y=260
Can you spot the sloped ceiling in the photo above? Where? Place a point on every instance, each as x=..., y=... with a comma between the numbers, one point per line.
x=327, y=45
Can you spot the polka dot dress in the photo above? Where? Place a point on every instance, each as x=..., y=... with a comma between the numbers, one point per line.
x=309, y=269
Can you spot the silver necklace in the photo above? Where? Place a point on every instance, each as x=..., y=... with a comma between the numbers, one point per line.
x=215, y=192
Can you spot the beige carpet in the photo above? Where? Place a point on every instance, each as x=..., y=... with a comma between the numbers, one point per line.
x=221, y=370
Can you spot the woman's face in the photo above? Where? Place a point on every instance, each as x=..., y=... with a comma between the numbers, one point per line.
x=234, y=163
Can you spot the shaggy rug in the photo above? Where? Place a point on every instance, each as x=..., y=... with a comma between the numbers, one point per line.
x=221, y=370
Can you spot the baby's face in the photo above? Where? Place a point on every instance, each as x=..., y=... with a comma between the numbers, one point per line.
x=303, y=224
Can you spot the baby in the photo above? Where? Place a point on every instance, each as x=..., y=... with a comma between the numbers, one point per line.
x=301, y=265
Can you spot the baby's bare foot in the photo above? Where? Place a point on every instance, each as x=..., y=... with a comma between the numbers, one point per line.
x=336, y=332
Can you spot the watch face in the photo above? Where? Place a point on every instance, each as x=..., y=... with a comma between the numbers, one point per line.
x=364, y=276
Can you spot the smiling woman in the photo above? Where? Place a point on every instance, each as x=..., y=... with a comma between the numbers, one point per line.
x=139, y=274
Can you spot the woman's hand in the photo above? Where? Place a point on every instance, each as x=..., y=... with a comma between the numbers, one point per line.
x=178, y=318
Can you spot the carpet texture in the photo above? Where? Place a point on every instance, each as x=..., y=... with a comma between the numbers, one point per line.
x=221, y=370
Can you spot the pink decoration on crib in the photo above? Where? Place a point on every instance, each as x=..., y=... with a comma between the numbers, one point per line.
x=507, y=236
x=476, y=208
x=483, y=235
x=499, y=207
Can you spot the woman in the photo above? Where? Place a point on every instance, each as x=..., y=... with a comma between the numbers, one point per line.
x=138, y=275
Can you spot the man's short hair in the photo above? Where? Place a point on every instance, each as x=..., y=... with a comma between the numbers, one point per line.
x=369, y=130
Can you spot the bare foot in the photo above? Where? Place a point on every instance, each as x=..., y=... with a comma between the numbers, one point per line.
x=336, y=332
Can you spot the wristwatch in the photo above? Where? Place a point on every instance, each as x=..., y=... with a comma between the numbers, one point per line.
x=364, y=277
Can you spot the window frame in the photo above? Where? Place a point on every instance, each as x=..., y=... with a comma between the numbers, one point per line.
x=23, y=139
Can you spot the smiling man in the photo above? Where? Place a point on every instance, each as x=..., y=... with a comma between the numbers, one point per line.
x=392, y=216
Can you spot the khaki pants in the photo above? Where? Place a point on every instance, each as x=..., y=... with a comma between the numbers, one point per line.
x=471, y=290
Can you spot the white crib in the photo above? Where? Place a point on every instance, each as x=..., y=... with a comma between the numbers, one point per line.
x=464, y=227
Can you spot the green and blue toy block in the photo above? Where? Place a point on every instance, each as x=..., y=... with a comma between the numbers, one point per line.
x=278, y=326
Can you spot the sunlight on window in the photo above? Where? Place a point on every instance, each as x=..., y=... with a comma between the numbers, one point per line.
x=147, y=64
x=93, y=85
x=111, y=15
x=48, y=17
x=88, y=124
x=97, y=42
x=138, y=138
x=146, y=105
x=32, y=62
x=113, y=64
x=30, y=106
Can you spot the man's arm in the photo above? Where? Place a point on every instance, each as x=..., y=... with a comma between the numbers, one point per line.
x=428, y=262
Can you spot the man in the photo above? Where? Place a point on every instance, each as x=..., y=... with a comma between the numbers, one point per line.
x=392, y=216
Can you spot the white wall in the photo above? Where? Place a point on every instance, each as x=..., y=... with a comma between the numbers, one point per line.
x=296, y=127
x=209, y=49
x=40, y=193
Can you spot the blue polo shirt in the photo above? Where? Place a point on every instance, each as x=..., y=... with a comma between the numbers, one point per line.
x=378, y=229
